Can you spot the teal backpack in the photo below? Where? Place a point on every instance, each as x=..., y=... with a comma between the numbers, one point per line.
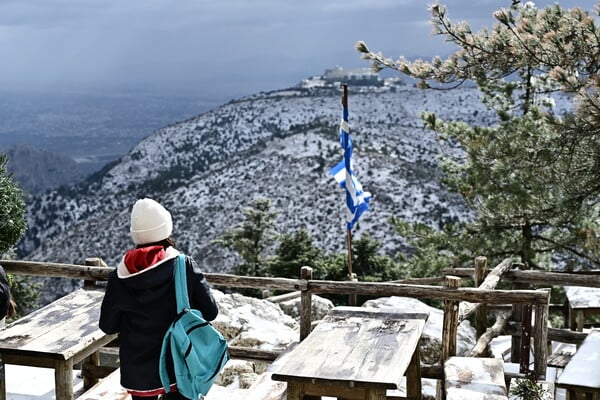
x=199, y=351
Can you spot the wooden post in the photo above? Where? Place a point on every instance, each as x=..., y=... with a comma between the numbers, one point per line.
x=481, y=313
x=540, y=339
x=352, y=299
x=305, y=304
x=450, y=327
x=517, y=316
x=525, y=348
x=92, y=262
x=450, y=321
x=569, y=320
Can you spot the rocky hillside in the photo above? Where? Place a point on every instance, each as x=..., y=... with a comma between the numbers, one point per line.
x=38, y=170
x=279, y=145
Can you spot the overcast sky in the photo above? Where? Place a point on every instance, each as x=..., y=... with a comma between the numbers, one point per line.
x=222, y=47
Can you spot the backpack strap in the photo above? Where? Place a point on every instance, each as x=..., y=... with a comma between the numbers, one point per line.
x=181, y=290
x=181, y=287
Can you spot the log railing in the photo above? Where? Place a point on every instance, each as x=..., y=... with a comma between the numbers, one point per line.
x=591, y=279
x=462, y=300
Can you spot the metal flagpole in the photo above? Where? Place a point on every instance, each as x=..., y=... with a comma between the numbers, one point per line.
x=348, y=231
x=351, y=276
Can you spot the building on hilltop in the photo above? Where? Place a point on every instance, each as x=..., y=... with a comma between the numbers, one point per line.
x=354, y=76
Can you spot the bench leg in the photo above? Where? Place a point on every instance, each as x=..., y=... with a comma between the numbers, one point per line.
x=93, y=359
x=63, y=379
x=413, y=376
x=2, y=380
x=572, y=321
x=294, y=391
x=375, y=394
x=579, y=318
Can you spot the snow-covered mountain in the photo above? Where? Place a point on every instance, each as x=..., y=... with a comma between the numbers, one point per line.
x=278, y=145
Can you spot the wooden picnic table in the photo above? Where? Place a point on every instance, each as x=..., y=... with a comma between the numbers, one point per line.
x=356, y=353
x=581, y=373
x=57, y=336
x=583, y=302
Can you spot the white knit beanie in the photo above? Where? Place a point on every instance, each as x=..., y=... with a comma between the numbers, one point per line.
x=150, y=222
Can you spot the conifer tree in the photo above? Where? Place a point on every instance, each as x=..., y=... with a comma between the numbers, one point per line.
x=371, y=266
x=12, y=227
x=252, y=238
x=293, y=252
x=532, y=177
x=12, y=209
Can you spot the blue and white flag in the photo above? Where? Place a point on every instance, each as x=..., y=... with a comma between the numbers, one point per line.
x=357, y=200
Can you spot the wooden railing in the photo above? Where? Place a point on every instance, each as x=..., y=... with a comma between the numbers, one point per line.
x=460, y=302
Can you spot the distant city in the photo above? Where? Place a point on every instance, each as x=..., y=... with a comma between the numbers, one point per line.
x=93, y=129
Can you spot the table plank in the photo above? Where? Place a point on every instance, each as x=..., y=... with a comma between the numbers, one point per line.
x=583, y=297
x=355, y=346
x=582, y=370
x=59, y=330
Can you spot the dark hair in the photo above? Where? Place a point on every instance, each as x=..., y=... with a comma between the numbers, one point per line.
x=168, y=242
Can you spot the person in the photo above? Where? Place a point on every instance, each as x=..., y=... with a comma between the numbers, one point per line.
x=7, y=305
x=139, y=303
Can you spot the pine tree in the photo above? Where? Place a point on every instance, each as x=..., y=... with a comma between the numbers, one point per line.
x=250, y=240
x=532, y=178
x=294, y=252
x=369, y=265
x=12, y=227
x=12, y=209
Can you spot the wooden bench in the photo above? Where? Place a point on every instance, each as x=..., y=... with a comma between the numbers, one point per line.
x=473, y=378
x=559, y=359
x=108, y=388
x=581, y=375
x=58, y=335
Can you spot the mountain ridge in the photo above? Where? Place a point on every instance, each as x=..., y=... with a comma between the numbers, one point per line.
x=279, y=145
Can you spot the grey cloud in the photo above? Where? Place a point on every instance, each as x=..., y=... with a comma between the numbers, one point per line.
x=257, y=45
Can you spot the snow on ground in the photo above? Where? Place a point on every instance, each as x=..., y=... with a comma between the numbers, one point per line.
x=30, y=383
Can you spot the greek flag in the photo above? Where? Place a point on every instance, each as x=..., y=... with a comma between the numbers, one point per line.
x=357, y=200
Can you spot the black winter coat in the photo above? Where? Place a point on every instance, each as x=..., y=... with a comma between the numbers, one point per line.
x=4, y=294
x=140, y=308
